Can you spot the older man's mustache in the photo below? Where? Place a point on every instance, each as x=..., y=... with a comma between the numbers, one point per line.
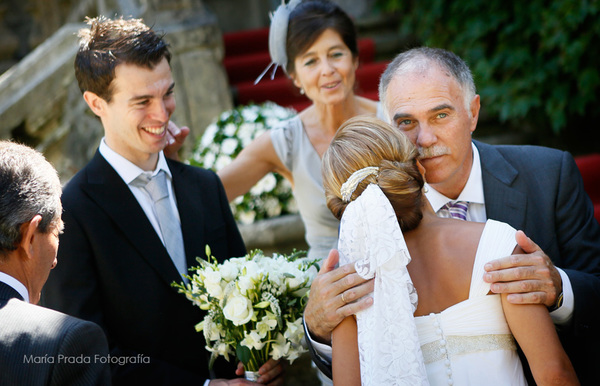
x=433, y=151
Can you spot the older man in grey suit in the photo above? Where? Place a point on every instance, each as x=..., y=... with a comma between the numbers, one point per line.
x=38, y=346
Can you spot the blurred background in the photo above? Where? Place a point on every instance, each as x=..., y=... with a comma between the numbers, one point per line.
x=534, y=64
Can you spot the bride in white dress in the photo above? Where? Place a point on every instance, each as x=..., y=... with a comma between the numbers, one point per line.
x=458, y=332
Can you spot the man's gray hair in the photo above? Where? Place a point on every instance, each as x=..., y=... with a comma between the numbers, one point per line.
x=29, y=186
x=420, y=60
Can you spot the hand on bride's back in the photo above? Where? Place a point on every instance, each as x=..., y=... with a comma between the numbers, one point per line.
x=333, y=296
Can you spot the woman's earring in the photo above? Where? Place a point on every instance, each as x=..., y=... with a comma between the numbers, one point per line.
x=301, y=91
x=425, y=189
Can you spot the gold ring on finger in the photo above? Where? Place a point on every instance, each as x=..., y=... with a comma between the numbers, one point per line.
x=344, y=300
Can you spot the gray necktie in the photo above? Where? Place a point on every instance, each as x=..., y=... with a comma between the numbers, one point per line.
x=457, y=209
x=167, y=221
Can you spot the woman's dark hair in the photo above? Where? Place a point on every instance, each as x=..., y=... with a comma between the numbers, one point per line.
x=309, y=20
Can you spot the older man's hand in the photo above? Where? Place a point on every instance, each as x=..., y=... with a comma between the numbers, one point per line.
x=333, y=296
x=529, y=278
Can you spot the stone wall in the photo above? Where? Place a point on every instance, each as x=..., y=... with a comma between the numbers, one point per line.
x=40, y=103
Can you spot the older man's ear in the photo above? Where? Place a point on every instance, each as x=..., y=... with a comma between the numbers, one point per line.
x=28, y=234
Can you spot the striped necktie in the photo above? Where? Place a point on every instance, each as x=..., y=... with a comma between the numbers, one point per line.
x=457, y=209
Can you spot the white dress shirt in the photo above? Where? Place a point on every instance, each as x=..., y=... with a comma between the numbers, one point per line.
x=473, y=193
x=128, y=171
x=16, y=285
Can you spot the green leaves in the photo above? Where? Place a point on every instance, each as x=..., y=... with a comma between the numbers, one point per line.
x=243, y=353
x=531, y=60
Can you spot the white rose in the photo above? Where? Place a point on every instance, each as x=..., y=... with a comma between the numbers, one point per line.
x=245, y=137
x=209, y=160
x=250, y=113
x=229, y=270
x=292, y=205
x=229, y=129
x=238, y=200
x=266, y=184
x=272, y=207
x=214, y=290
x=229, y=145
x=238, y=309
x=212, y=282
x=209, y=135
x=222, y=161
x=247, y=217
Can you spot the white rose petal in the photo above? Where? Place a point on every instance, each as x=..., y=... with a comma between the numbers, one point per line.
x=229, y=129
x=209, y=160
x=222, y=161
x=247, y=217
x=209, y=135
x=266, y=184
x=238, y=309
x=272, y=207
x=229, y=145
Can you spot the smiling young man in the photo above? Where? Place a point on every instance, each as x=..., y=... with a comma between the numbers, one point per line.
x=123, y=246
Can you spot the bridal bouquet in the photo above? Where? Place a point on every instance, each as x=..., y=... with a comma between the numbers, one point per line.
x=254, y=305
x=223, y=140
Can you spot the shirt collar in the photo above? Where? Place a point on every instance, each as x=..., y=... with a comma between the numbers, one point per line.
x=16, y=285
x=472, y=192
x=127, y=169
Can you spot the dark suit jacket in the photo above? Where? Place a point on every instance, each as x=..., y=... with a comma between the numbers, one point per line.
x=540, y=191
x=114, y=270
x=39, y=346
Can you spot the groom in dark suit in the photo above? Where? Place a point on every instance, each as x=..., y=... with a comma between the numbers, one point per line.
x=38, y=346
x=135, y=221
x=430, y=95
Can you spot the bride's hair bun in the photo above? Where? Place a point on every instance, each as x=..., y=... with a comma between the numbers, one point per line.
x=367, y=141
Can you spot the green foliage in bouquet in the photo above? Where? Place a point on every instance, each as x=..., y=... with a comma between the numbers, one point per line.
x=533, y=61
x=224, y=139
x=254, y=305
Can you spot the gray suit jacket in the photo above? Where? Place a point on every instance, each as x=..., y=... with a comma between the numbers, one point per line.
x=39, y=346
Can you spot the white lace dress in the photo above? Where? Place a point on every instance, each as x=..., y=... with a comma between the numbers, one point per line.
x=467, y=344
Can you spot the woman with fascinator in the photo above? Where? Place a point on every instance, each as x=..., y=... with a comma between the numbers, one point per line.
x=433, y=319
x=315, y=43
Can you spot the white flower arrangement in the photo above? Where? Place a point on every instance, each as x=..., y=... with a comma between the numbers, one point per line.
x=222, y=142
x=254, y=305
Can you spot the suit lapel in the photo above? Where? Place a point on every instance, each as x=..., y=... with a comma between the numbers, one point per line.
x=190, y=211
x=502, y=201
x=108, y=190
